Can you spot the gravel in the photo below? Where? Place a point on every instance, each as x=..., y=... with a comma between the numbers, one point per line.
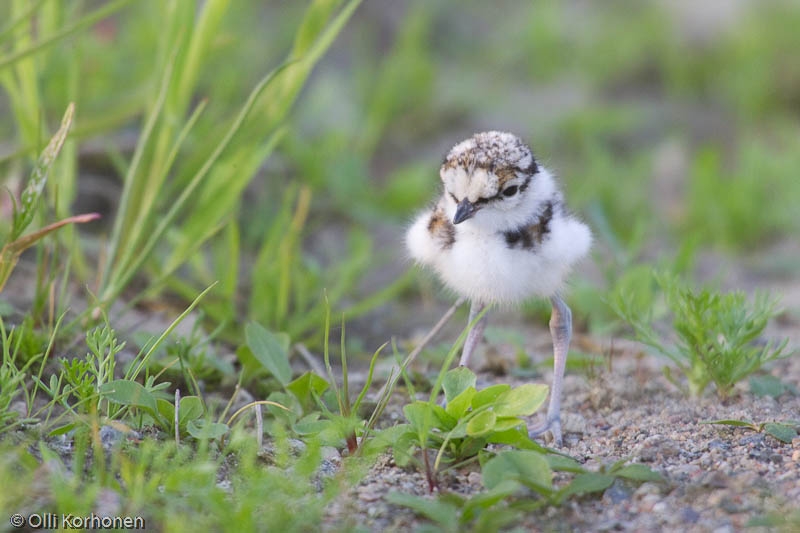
x=719, y=477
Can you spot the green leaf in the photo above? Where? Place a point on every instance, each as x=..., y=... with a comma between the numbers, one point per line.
x=312, y=425
x=203, y=429
x=487, y=499
x=505, y=423
x=191, y=409
x=403, y=445
x=735, y=423
x=489, y=394
x=782, y=432
x=457, y=407
x=62, y=430
x=271, y=350
x=442, y=513
x=588, y=482
x=166, y=410
x=306, y=387
x=287, y=400
x=481, y=424
x=767, y=385
x=521, y=401
x=420, y=415
x=443, y=420
x=526, y=466
x=517, y=437
x=457, y=381
x=131, y=393
x=638, y=472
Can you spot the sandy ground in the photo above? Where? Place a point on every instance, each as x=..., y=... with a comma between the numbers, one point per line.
x=718, y=477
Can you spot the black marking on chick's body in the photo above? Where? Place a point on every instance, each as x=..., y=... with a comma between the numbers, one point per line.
x=531, y=236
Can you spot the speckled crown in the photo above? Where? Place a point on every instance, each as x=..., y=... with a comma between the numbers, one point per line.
x=501, y=153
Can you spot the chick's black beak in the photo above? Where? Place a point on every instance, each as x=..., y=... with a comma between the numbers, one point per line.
x=465, y=210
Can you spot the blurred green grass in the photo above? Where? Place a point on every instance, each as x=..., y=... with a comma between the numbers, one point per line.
x=625, y=101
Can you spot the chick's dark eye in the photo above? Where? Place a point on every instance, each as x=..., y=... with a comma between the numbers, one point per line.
x=510, y=191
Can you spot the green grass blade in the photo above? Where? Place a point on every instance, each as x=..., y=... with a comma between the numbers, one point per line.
x=141, y=227
x=19, y=19
x=135, y=369
x=143, y=254
x=90, y=19
x=108, y=282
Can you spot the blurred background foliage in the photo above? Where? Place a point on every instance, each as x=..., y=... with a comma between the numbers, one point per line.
x=673, y=125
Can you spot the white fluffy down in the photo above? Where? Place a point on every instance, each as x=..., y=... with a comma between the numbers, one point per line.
x=481, y=266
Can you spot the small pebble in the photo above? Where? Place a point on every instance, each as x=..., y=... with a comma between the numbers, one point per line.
x=474, y=479
x=751, y=440
x=716, y=480
x=573, y=423
x=617, y=492
x=689, y=515
x=660, y=507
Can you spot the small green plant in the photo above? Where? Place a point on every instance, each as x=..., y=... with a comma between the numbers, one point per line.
x=519, y=482
x=768, y=385
x=12, y=376
x=470, y=420
x=193, y=358
x=87, y=376
x=310, y=405
x=20, y=378
x=783, y=431
x=716, y=333
x=179, y=488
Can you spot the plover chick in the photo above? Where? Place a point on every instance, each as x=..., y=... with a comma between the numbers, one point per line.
x=501, y=234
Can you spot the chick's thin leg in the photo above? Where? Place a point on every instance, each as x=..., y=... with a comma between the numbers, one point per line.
x=475, y=334
x=561, y=331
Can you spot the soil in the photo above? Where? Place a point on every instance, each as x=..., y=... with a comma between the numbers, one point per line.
x=718, y=478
